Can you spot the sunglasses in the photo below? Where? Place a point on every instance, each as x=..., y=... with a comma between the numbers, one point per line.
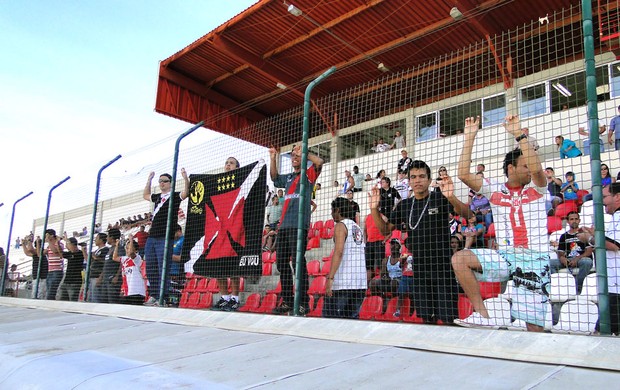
x=164, y=181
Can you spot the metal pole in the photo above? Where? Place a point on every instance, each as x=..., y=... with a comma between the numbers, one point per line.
x=92, y=227
x=595, y=168
x=8, y=247
x=302, y=229
x=168, y=245
x=47, y=214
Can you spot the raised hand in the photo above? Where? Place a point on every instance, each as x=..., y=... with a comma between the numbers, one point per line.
x=374, y=196
x=471, y=126
x=512, y=124
x=446, y=185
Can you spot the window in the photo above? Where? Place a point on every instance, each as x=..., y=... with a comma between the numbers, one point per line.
x=322, y=150
x=427, y=127
x=493, y=110
x=452, y=120
x=614, y=71
x=533, y=100
x=360, y=143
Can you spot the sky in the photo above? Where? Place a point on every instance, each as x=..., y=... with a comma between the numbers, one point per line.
x=77, y=87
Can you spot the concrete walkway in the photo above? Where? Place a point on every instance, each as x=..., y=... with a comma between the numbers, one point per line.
x=65, y=345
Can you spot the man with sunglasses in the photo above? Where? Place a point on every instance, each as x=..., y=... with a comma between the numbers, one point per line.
x=155, y=244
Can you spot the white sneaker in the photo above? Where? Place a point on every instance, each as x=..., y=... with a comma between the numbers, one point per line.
x=475, y=320
x=151, y=302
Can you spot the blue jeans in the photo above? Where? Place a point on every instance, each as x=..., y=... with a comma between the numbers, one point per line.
x=584, y=264
x=95, y=293
x=344, y=304
x=53, y=282
x=154, y=257
x=586, y=146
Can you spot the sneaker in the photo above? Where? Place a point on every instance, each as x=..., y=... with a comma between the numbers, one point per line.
x=220, y=305
x=231, y=305
x=396, y=314
x=282, y=309
x=477, y=321
x=151, y=302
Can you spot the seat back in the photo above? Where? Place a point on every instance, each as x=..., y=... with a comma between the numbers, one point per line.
x=589, y=291
x=372, y=307
x=562, y=287
x=317, y=287
x=577, y=317
x=313, y=267
x=252, y=303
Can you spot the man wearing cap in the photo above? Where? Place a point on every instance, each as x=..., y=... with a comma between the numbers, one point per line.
x=404, y=164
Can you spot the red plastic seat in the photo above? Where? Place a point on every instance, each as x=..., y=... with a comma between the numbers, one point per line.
x=317, y=311
x=276, y=290
x=203, y=285
x=490, y=289
x=562, y=210
x=267, y=269
x=193, y=301
x=328, y=229
x=241, y=285
x=252, y=303
x=266, y=257
x=490, y=231
x=372, y=307
x=389, y=311
x=184, y=298
x=317, y=287
x=313, y=243
x=554, y=223
x=311, y=233
x=465, y=307
x=325, y=268
x=268, y=304
x=313, y=267
x=212, y=286
x=580, y=195
x=190, y=285
x=206, y=301
x=409, y=318
x=317, y=227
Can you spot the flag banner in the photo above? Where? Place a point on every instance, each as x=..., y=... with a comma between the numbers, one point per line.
x=224, y=227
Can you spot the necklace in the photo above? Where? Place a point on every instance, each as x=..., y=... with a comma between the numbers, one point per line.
x=421, y=214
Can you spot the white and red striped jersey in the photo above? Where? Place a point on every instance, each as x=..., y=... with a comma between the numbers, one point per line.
x=519, y=215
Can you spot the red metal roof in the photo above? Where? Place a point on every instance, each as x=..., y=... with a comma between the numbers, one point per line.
x=228, y=77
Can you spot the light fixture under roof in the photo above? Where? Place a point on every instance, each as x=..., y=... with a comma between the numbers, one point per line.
x=562, y=90
x=294, y=10
x=455, y=13
x=383, y=68
x=281, y=86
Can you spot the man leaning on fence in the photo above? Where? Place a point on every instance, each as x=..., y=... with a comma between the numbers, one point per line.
x=286, y=244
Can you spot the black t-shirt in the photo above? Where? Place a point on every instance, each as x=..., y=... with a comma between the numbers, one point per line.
x=404, y=164
x=96, y=266
x=571, y=245
x=160, y=220
x=75, y=264
x=554, y=189
x=429, y=241
x=387, y=200
x=35, y=267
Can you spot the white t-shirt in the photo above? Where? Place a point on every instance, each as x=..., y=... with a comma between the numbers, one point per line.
x=402, y=186
x=132, y=274
x=519, y=215
x=612, y=232
x=351, y=274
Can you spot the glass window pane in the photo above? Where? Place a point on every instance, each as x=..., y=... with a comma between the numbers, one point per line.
x=533, y=101
x=493, y=110
x=615, y=80
x=427, y=127
x=452, y=120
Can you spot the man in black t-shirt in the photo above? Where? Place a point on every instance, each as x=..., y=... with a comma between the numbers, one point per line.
x=572, y=252
x=155, y=244
x=95, y=288
x=423, y=216
x=69, y=289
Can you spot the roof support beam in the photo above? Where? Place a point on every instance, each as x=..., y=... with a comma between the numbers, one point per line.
x=207, y=93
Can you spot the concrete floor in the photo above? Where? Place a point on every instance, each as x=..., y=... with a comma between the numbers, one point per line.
x=64, y=345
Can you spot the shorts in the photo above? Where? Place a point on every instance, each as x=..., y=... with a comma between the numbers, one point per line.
x=529, y=271
x=405, y=287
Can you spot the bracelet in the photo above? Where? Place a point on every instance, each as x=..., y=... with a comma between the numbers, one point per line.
x=522, y=136
x=330, y=278
x=591, y=240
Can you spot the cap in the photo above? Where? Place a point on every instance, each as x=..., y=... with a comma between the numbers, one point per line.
x=404, y=150
x=395, y=241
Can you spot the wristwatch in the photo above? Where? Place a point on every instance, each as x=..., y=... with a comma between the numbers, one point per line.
x=522, y=136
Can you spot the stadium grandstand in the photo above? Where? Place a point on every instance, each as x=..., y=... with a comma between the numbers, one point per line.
x=414, y=80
